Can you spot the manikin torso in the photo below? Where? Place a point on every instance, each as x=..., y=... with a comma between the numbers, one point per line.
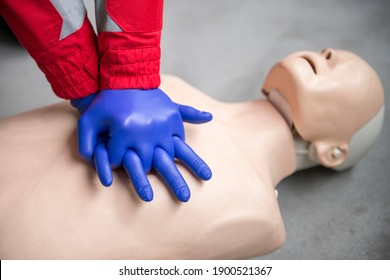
x=53, y=206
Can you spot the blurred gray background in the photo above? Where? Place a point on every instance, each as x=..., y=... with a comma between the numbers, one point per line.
x=225, y=48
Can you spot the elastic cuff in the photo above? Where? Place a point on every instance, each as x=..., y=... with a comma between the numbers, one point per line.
x=130, y=68
x=74, y=76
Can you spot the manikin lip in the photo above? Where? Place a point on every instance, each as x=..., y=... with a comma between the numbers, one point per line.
x=311, y=63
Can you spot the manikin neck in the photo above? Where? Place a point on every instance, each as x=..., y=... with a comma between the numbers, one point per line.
x=301, y=147
x=303, y=161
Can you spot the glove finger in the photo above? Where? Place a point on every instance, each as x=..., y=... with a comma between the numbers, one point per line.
x=145, y=153
x=184, y=153
x=87, y=138
x=116, y=150
x=191, y=115
x=134, y=169
x=102, y=164
x=167, y=169
x=168, y=147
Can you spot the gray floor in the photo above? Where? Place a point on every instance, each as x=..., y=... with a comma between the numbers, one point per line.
x=225, y=48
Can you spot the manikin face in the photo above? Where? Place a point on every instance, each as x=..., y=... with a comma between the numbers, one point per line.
x=331, y=95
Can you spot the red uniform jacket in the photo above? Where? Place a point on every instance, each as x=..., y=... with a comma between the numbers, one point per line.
x=60, y=38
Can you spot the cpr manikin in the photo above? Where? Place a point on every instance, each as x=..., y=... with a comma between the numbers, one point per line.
x=333, y=100
x=53, y=207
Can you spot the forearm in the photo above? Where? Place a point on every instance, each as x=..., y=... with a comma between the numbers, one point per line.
x=61, y=40
x=129, y=43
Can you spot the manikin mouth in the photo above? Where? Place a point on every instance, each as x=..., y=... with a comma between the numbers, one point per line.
x=311, y=63
x=281, y=104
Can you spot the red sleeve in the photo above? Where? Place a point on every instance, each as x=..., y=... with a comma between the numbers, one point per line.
x=130, y=58
x=69, y=62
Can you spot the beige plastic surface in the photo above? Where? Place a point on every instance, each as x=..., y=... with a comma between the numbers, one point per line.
x=332, y=94
x=52, y=205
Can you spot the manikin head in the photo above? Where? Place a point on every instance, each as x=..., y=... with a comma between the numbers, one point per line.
x=334, y=100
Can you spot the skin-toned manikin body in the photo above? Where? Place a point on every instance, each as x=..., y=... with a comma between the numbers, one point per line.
x=52, y=205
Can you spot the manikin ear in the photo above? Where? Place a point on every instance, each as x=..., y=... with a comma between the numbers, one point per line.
x=328, y=154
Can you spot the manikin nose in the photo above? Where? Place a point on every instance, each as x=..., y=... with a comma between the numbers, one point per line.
x=330, y=55
x=327, y=53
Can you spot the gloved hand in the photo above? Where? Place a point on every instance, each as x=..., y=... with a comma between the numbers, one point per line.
x=140, y=129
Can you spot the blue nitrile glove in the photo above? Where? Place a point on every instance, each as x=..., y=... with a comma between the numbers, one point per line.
x=140, y=129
